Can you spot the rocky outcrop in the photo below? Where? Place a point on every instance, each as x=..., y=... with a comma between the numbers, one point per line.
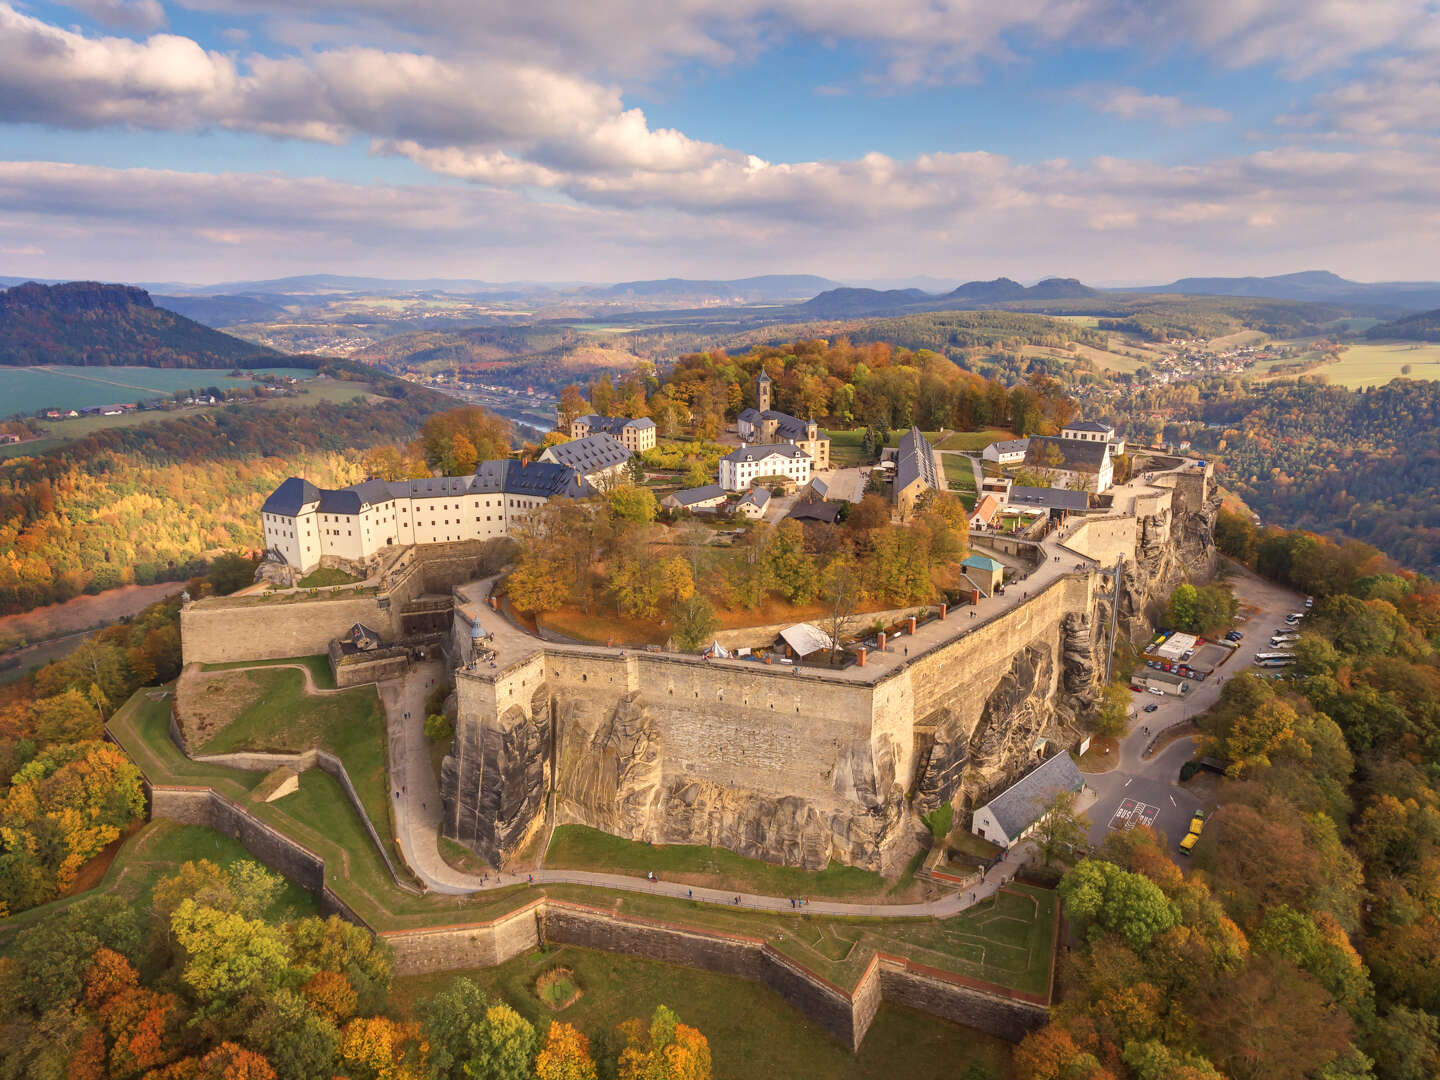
x=494, y=783
x=1077, y=657
x=1169, y=550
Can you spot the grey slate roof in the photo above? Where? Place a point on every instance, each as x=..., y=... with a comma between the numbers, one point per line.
x=290, y=496
x=825, y=512
x=759, y=497
x=590, y=454
x=755, y=453
x=614, y=425
x=1011, y=446
x=1049, y=498
x=1090, y=425
x=915, y=460
x=1021, y=804
x=1076, y=454
x=749, y=416
x=691, y=496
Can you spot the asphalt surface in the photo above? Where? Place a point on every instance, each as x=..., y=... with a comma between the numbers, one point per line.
x=1154, y=782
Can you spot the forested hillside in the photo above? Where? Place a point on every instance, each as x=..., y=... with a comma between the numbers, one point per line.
x=1365, y=463
x=1306, y=945
x=1422, y=327
x=83, y=322
x=143, y=504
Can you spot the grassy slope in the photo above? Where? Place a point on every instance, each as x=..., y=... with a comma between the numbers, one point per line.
x=1376, y=363
x=350, y=725
x=981, y=943
x=752, y=1033
x=319, y=667
x=575, y=847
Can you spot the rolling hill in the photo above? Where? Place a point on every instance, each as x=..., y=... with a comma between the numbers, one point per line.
x=973, y=294
x=1320, y=286
x=1424, y=326
x=87, y=323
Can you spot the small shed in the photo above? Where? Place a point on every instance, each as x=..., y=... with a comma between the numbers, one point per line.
x=700, y=500
x=984, y=571
x=1006, y=819
x=985, y=511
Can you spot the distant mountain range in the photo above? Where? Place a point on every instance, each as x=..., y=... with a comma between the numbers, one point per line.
x=850, y=302
x=84, y=322
x=769, y=288
x=1319, y=286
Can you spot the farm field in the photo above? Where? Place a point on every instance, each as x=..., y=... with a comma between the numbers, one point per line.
x=751, y=1031
x=27, y=390
x=1376, y=363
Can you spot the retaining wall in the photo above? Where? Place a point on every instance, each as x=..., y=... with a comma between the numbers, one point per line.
x=220, y=630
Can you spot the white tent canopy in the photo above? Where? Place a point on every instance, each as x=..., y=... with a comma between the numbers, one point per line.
x=806, y=639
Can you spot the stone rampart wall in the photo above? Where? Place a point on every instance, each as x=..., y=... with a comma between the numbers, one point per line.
x=756, y=637
x=204, y=806
x=216, y=631
x=942, y=995
x=1105, y=539
x=449, y=948
x=359, y=669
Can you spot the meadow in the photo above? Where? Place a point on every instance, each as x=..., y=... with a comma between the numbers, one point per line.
x=27, y=390
x=1376, y=363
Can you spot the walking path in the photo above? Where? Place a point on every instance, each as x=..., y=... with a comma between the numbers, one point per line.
x=417, y=823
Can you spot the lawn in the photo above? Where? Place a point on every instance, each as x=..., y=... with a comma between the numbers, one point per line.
x=1007, y=942
x=326, y=575
x=1376, y=363
x=845, y=445
x=751, y=1031
x=975, y=440
x=153, y=852
x=961, y=478
x=272, y=711
x=319, y=666
x=575, y=847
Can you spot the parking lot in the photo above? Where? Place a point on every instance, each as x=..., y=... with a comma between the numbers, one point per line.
x=1127, y=795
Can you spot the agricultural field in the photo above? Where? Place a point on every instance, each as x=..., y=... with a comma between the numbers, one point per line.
x=1376, y=363
x=27, y=390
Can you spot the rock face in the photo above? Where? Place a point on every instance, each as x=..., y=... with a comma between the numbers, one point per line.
x=1171, y=549
x=494, y=782
x=617, y=774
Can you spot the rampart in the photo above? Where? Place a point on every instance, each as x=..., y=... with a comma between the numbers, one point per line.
x=792, y=765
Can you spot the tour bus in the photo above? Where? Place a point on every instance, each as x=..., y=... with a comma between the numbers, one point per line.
x=1273, y=659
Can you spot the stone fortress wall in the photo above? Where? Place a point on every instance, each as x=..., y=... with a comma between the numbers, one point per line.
x=793, y=765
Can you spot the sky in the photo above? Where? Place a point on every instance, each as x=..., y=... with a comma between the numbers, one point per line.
x=1117, y=141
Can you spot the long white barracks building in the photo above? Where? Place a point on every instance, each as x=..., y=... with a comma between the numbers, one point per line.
x=303, y=523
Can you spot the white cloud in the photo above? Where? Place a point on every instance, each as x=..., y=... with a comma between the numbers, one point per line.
x=1133, y=104
x=1399, y=98
x=1367, y=215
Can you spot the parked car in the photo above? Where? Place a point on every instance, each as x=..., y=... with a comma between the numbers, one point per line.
x=1155, y=690
x=1235, y=635
x=1309, y=602
x=1151, y=707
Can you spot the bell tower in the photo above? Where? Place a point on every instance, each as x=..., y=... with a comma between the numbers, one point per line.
x=762, y=391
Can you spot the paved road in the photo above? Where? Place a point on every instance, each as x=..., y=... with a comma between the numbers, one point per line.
x=1153, y=781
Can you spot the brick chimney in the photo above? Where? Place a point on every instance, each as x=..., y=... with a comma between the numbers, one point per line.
x=944, y=610
x=881, y=640
x=860, y=659
x=912, y=625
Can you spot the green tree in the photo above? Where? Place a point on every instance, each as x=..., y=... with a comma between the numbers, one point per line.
x=1060, y=832
x=1099, y=894
x=632, y=503
x=695, y=621
x=226, y=955
x=1182, y=608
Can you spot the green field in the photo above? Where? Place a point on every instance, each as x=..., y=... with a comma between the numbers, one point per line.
x=324, y=576
x=845, y=445
x=575, y=847
x=1376, y=363
x=752, y=1032
x=961, y=478
x=319, y=667
x=27, y=390
x=975, y=440
x=283, y=717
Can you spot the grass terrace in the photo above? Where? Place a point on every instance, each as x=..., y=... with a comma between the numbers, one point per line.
x=269, y=709
x=576, y=847
x=845, y=449
x=975, y=440
x=318, y=665
x=752, y=1032
x=326, y=575
x=291, y=597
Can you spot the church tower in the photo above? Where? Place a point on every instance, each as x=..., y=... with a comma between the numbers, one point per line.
x=762, y=392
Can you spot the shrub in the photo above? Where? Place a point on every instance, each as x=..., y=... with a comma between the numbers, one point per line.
x=438, y=726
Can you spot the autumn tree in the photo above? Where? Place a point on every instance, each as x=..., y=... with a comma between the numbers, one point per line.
x=482, y=436
x=564, y=1055
x=664, y=1049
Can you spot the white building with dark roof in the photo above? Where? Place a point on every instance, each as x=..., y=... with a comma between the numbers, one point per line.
x=754, y=504
x=765, y=425
x=1006, y=451
x=700, y=500
x=600, y=459
x=1013, y=813
x=636, y=435
x=741, y=468
x=303, y=524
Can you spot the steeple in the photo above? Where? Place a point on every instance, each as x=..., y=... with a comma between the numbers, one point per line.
x=762, y=391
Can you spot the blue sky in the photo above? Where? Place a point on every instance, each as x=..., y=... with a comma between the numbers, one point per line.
x=1114, y=141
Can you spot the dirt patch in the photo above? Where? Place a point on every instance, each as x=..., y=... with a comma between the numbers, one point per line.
x=84, y=612
x=1103, y=755
x=205, y=701
x=558, y=988
x=90, y=874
